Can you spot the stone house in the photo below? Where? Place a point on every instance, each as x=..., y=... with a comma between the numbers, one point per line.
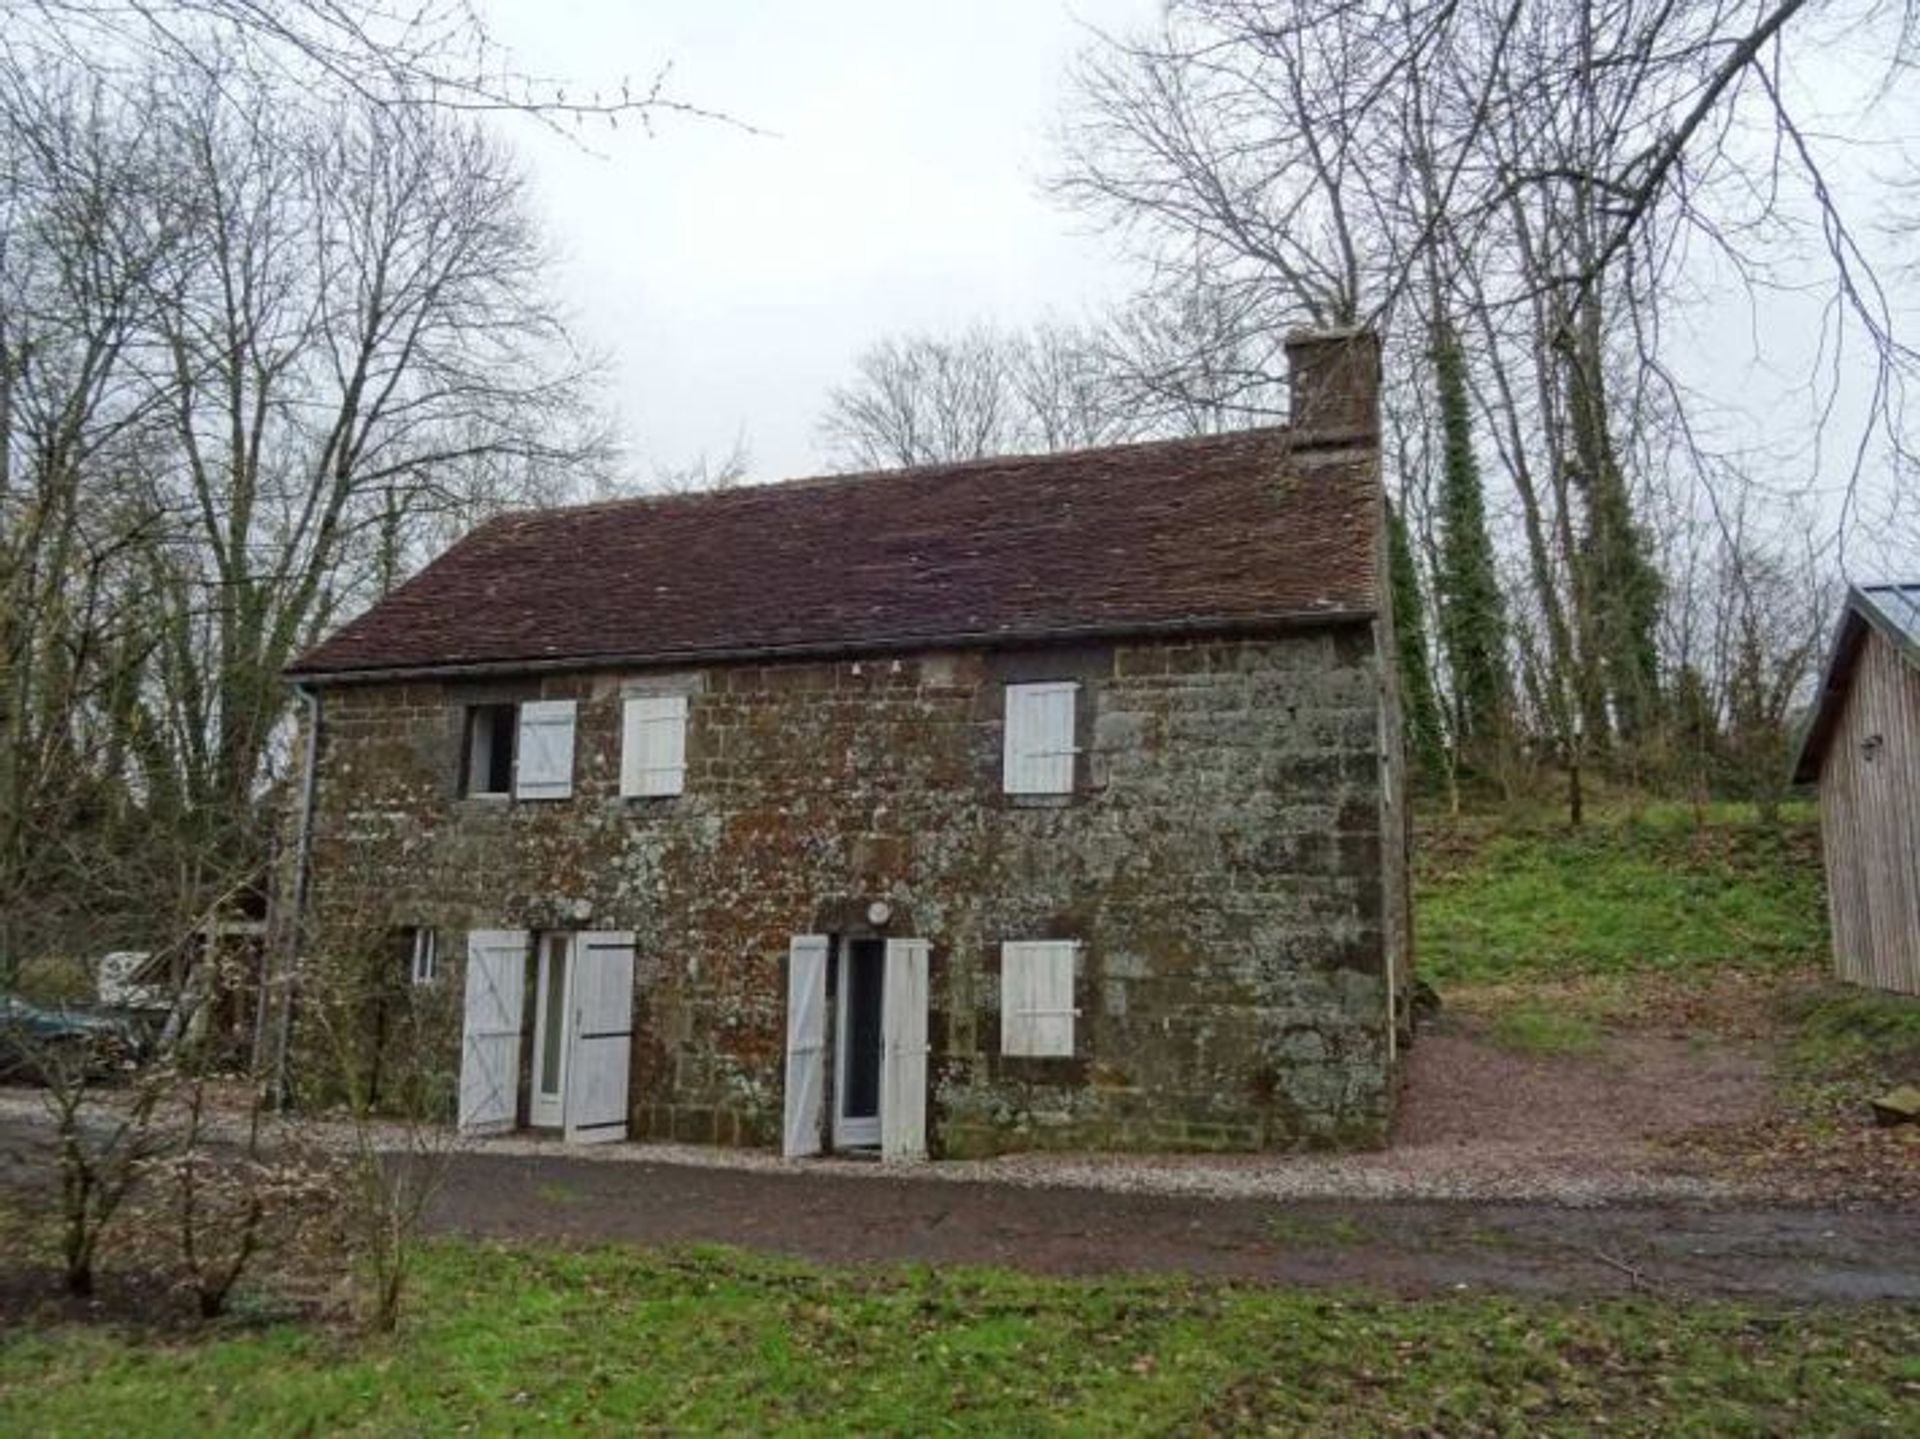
x=1044, y=801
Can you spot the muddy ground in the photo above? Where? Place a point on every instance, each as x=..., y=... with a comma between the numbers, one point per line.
x=853, y=1212
x=1399, y=1246
x=1590, y=1173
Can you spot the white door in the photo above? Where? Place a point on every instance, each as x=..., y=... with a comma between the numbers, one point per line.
x=903, y=1070
x=490, y=1034
x=552, y=1033
x=859, y=1000
x=594, y=1084
x=806, y=1044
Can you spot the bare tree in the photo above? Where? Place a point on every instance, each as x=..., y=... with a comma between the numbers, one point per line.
x=397, y=54
x=83, y=234
x=1192, y=357
x=706, y=473
x=1546, y=174
x=105, y=1141
x=379, y=1060
x=924, y=399
x=357, y=338
x=259, y=354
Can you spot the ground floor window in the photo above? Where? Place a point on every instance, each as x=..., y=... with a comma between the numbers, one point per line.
x=1036, y=997
x=424, y=961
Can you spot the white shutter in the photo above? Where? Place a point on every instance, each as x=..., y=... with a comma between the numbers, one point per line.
x=598, y=1062
x=806, y=1044
x=490, y=1035
x=903, y=1051
x=1036, y=997
x=543, y=761
x=653, y=745
x=1038, y=752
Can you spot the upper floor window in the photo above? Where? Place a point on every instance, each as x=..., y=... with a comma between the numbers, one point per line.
x=1039, y=749
x=653, y=745
x=489, y=759
x=525, y=750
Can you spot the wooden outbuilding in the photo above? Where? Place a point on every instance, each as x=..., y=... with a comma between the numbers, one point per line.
x=1862, y=748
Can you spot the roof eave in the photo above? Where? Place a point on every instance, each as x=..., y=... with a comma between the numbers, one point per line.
x=1860, y=613
x=1279, y=622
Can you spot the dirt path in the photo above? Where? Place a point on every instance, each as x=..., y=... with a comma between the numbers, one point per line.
x=855, y=1212
x=1413, y=1248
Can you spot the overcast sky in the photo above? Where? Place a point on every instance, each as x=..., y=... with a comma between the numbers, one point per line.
x=734, y=277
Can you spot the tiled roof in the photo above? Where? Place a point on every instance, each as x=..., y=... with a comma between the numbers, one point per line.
x=1226, y=530
x=1893, y=610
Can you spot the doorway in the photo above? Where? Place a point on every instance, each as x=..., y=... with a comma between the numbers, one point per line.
x=552, y=1004
x=580, y=1040
x=858, y=1015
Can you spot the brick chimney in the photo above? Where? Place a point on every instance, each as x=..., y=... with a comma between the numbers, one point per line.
x=1333, y=386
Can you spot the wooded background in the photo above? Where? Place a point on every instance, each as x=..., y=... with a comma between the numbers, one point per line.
x=1592, y=579
x=277, y=322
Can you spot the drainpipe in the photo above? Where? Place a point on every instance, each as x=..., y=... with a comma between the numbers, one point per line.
x=296, y=921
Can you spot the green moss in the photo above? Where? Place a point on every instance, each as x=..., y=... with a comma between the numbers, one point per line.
x=620, y=1340
x=1845, y=1033
x=1314, y=1230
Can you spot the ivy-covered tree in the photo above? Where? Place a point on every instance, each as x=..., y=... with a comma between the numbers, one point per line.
x=1621, y=587
x=1473, y=625
x=1426, y=741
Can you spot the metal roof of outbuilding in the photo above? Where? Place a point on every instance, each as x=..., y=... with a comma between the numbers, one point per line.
x=1893, y=610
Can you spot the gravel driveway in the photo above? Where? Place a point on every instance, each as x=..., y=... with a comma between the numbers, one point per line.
x=1551, y=1174
x=1475, y=1123
x=859, y=1214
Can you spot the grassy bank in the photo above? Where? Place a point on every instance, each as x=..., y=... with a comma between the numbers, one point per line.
x=613, y=1340
x=1512, y=901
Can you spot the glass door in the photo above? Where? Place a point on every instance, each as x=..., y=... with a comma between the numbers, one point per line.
x=553, y=992
x=862, y=978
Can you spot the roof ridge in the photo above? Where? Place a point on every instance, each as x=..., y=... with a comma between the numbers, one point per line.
x=795, y=483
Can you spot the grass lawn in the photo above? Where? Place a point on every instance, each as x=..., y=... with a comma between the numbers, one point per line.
x=1646, y=892
x=538, y=1340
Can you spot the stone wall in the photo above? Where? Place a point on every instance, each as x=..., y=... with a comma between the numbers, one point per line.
x=1221, y=861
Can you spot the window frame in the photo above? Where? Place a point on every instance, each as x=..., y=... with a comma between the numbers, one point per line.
x=495, y=712
x=423, y=957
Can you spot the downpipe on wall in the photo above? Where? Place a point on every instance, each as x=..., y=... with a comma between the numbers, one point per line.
x=295, y=929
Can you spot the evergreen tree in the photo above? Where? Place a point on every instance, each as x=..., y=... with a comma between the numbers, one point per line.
x=1473, y=625
x=1418, y=704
